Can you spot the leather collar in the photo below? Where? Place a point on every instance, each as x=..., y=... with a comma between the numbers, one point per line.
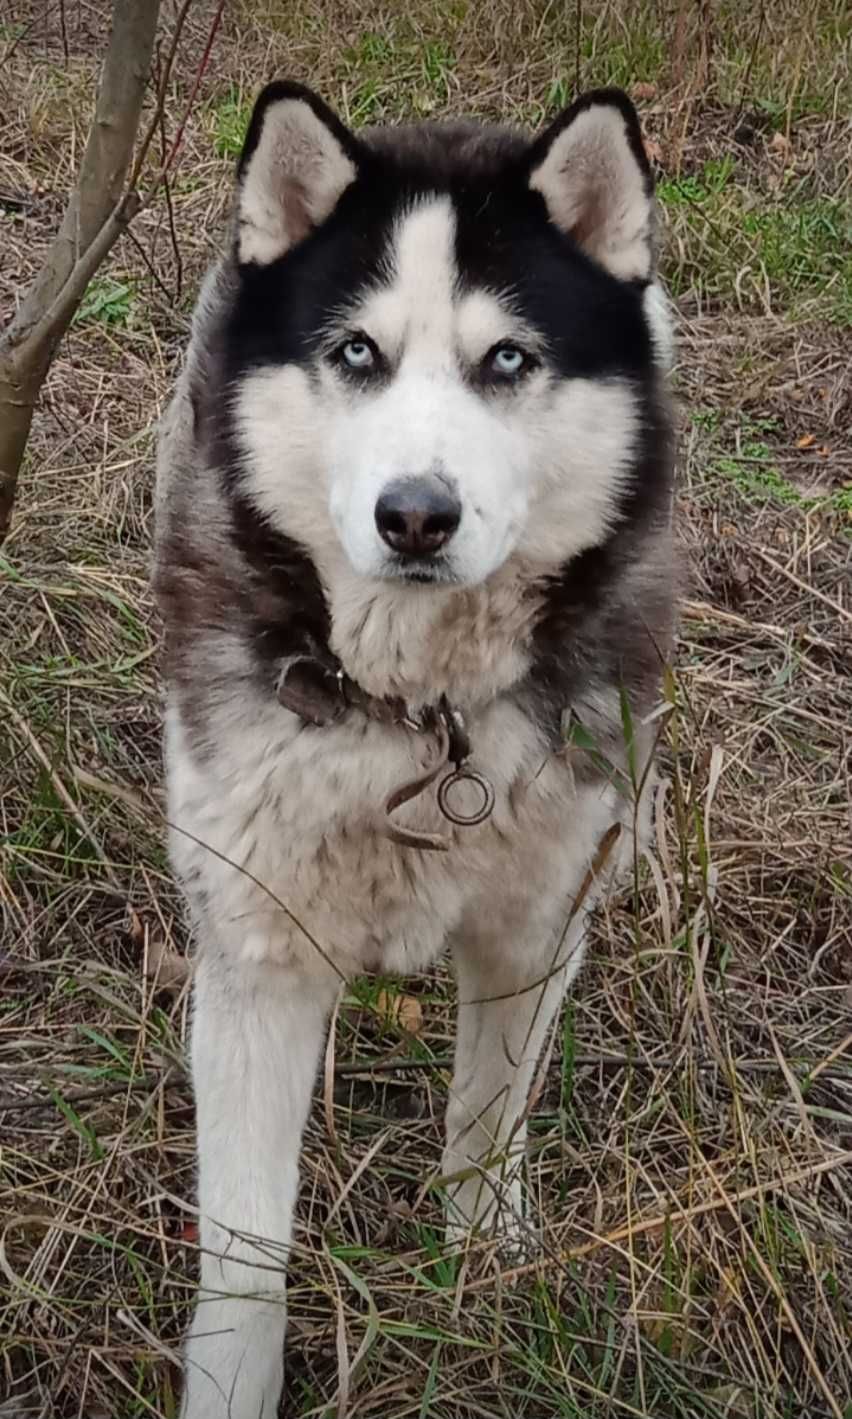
x=317, y=689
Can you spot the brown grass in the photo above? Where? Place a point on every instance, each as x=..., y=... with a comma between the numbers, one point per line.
x=691, y=1167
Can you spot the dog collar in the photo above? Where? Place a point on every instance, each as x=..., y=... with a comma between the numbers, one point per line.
x=319, y=691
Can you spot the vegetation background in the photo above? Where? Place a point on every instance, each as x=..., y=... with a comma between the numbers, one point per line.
x=691, y=1158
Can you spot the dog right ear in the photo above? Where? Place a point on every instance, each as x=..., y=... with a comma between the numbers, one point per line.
x=297, y=160
x=591, y=168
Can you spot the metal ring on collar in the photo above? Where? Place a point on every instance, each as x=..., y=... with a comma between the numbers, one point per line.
x=466, y=820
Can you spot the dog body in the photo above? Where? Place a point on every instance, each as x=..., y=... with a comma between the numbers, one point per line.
x=421, y=447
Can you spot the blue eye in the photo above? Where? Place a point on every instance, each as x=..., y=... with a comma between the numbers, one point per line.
x=508, y=360
x=358, y=355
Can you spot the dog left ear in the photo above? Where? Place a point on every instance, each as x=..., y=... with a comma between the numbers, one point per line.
x=591, y=169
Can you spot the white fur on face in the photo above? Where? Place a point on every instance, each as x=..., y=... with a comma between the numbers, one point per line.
x=428, y=420
x=537, y=467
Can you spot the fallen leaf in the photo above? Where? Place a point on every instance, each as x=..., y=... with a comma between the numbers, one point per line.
x=167, y=969
x=780, y=144
x=402, y=1010
x=410, y=1015
x=135, y=928
x=188, y=1232
x=653, y=151
x=729, y=1289
x=644, y=90
x=806, y=441
x=823, y=450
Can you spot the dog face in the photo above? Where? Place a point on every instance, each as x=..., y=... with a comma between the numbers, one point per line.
x=442, y=341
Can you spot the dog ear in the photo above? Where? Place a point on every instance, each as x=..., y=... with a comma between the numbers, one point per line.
x=297, y=160
x=591, y=169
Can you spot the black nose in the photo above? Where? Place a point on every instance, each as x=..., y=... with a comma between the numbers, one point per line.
x=417, y=516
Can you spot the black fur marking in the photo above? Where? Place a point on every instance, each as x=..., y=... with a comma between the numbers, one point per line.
x=289, y=615
x=591, y=321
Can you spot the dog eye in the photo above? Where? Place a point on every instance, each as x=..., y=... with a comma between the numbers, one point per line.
x=507, y=360
x=358, y=354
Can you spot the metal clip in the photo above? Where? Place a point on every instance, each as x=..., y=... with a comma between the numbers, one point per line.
x=459, y=752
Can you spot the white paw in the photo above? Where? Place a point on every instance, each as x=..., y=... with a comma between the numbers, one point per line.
x=488, y=1205
x=234, y=1360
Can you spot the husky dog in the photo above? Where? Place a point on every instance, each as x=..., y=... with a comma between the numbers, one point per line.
x=413, y=512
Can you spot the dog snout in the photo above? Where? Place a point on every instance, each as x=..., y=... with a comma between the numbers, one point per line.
x=417, y=516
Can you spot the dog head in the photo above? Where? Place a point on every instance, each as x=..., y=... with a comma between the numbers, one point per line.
x=443, y=338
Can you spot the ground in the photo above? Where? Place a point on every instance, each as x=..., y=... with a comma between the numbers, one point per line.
x=691, y=1161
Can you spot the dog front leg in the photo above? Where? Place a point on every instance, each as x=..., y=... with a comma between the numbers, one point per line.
x=509, y=992
x=256, y=1036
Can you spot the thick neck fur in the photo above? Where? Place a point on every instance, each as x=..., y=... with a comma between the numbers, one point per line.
x=419, y=643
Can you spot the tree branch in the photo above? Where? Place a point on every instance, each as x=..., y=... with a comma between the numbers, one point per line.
x=106, y=160
x=102, y=204
x=95, y=215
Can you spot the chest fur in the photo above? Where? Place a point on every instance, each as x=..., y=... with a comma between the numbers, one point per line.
x=288, y=832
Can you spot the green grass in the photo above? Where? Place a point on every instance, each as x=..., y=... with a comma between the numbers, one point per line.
x=398, y=73
x=106, y=300
x=741, y=453
x=698, y=188
x=230, y=119
x=622, y=54
x=789, y=250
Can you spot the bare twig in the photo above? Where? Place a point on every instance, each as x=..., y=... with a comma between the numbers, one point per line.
x=199, y=75
x=76, y=1097
x=808, y=588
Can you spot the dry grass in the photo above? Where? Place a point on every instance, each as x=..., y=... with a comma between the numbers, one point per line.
x=691, y=1168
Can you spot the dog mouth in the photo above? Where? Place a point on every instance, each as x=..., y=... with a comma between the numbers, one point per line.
x=420, y=571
